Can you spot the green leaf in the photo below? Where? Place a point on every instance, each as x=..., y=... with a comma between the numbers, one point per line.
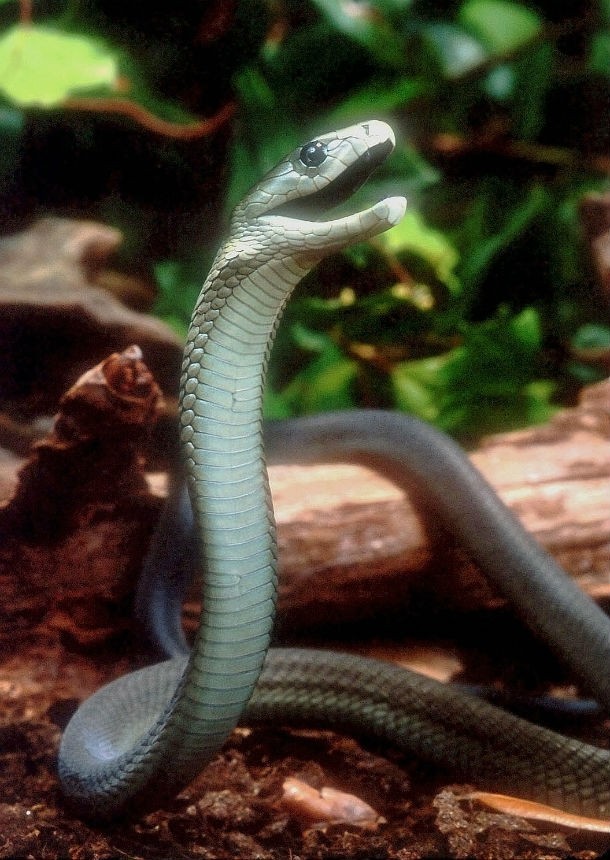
x=501, y=25
x=507, y=222
x=40, y=67
x=457, y=52
x=591, y=341
x=326, y=382
x=526, y=329
x=179, y=284
x=417, y=384
x=275, y=405
x=366, y=24
x=534, y=73
x=413, y=235
x=599, y=58
x=386, y=96
x=485, y=384
x=500, y=82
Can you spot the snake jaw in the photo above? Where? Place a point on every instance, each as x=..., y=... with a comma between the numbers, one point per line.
x=319, y=238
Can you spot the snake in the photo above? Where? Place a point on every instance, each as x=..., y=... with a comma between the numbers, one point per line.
x=140, y=739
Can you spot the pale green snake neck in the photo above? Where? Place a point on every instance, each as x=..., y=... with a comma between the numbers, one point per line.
x=141, y=738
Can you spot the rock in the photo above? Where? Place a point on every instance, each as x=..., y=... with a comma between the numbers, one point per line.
x=55, y=321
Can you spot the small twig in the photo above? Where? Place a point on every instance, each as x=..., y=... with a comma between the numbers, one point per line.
x=25, y=12
x=456, y=145
x=140, y=115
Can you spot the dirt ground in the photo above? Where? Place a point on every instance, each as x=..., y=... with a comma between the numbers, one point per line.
x=234, y=809
x=66, y=627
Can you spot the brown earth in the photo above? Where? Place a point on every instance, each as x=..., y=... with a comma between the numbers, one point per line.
x=66, y=628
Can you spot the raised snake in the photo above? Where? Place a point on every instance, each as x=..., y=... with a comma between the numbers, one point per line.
x=141, y=738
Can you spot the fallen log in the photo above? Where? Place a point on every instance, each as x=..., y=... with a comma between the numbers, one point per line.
x=352, y=545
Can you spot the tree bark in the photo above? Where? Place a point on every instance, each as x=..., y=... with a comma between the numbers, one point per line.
x=353, y=544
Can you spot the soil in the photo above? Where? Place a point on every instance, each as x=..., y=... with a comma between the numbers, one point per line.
x=66, y=627
x=234, y=809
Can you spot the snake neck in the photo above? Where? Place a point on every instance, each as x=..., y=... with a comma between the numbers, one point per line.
x=224, y=370
x=223, y=377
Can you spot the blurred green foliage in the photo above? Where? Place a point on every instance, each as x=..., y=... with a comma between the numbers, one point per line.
x=479, y=311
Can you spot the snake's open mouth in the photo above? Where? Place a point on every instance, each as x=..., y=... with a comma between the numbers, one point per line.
x=314, y=206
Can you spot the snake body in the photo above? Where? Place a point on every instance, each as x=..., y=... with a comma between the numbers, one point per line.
x=142, y=737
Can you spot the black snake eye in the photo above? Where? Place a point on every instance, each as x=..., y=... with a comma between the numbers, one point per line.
x=313, y=154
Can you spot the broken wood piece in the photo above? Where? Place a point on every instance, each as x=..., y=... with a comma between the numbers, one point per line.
x=326, y=806
x=533, y=811
x=74, y=532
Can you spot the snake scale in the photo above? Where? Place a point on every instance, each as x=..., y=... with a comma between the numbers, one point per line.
x=141, y=738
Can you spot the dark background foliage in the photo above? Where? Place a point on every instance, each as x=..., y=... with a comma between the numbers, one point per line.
x=479, y=312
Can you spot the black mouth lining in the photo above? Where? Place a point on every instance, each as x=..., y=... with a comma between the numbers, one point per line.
x=340, y=189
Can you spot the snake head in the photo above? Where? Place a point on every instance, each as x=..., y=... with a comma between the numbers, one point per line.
x=288, y=206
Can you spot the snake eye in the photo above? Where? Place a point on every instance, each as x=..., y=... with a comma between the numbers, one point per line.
x=313, y=154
